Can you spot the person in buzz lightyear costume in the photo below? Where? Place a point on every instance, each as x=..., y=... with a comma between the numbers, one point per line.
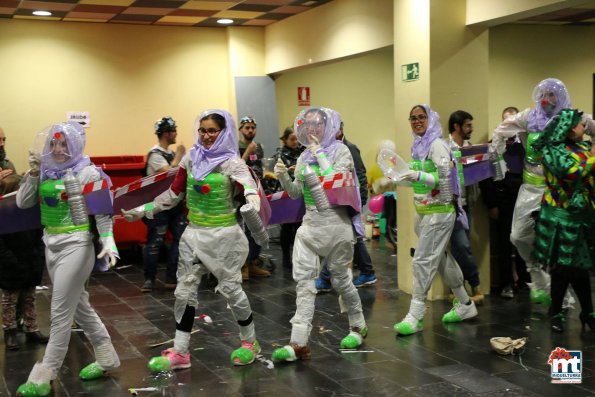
x=434, y=221
x=70, y=254
x=327, y=233
x=550, y=96
x=211, y=176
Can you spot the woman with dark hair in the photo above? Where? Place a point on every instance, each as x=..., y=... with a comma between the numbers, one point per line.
x=565, y=238
x=289, y=154
x=211, y=176
x=434, y=221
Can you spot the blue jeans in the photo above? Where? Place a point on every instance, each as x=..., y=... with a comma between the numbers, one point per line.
x=175, y=221
x=361, y=261
x=460, y=248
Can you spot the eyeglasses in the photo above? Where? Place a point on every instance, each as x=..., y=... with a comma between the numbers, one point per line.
x=421, y=117
x=210, y=131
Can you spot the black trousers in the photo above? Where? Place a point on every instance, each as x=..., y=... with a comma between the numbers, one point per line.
x=579, y=279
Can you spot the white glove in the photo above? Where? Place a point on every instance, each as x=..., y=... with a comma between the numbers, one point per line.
x=410, y=176
x=109, y=248
x=280, y=168
x=254, y=201
x=383, y=185
x=314, y=145
x=317, y=152
x=134, y=214
x=34, y=162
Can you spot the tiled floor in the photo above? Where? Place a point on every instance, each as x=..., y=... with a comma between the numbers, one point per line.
x=443, y=360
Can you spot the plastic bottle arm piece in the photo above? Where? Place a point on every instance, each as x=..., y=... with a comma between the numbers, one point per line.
x=254, y=224
x=426, y=178
x=325, y=166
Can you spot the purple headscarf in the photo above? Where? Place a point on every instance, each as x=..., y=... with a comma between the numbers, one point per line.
x=421, y=144
x=538, y=116
x=318, y=116
x=73, y=135
x=225, y=147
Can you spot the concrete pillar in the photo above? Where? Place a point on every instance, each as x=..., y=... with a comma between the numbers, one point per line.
x=453, y=75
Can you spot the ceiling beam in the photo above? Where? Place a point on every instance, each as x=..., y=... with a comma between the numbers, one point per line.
x=496, y=12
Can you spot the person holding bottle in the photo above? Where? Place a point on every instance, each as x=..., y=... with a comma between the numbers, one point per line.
x=432, y=177
x=326, y=231
x=55, y=179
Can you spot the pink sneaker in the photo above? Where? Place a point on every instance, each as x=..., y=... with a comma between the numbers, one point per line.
x=177, y=360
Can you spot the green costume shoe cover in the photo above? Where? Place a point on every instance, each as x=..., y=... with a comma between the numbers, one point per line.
x=159, y=364
x=406, y=328
x=33, y=390
x=91, y=371
x=350, y=342
x=452, y=317
x=244, y=355
x=354, y=339
x=540, y=296
x=285, y=353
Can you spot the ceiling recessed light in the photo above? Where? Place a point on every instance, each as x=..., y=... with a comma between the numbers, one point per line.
x=225, y=21
x=42, y=13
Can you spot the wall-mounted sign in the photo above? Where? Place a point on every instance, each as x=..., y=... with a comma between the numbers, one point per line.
x=83, y=118
x=410, y=72
x=303, y=96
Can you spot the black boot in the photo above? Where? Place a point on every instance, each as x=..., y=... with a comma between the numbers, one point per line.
x=10, y=339
x=36, y=337
x=557, y=322
x=588, y=319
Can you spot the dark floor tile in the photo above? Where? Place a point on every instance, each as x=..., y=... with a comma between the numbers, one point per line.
x=471, y=379
x=402, y=373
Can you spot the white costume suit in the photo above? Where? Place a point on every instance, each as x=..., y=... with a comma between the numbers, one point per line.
x=220, y=250
x=70, y=258
x=431, y=254
x=327, y=234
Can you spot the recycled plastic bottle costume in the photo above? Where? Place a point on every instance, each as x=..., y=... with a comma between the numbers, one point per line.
x=434, y=223
x=565, y=232
x=327, y=233
x=550, y=96
x=70, y=254
x=213, y=241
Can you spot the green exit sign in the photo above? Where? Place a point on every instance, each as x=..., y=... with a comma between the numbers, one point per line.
x=410, y=72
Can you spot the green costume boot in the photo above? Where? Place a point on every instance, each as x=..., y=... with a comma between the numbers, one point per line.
x=246, y=354
x=354, y=339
